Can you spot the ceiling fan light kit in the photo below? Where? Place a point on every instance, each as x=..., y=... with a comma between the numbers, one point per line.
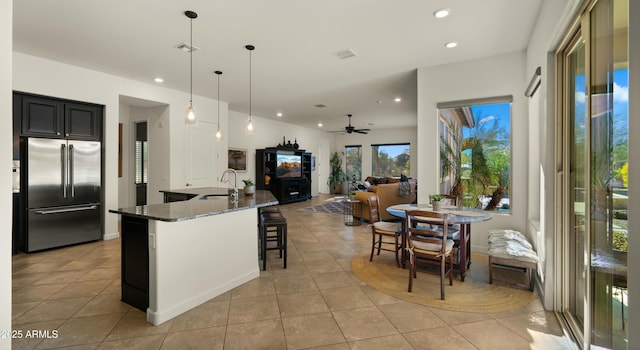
x=351, y=129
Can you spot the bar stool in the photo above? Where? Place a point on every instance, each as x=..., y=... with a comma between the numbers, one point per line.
x=272, y=228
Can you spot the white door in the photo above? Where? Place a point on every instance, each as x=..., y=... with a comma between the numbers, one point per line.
x=200, y=157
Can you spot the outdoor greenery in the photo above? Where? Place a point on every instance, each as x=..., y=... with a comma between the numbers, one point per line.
x=384, y=164
x=354, y=162
x=336, y=175
x=478, y=161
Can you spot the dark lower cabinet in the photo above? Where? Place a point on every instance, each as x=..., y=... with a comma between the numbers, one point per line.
x=291, y=190
x=135, y=262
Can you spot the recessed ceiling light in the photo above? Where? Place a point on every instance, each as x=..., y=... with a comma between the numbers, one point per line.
x=158, y=80
x=279, y=114
x=379, y=102
x=441, y=13
x=369, y=124
x=319, y=125
x=398, y=99
x=451, y=45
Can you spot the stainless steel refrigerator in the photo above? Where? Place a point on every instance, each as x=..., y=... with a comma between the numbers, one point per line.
x=62, y=183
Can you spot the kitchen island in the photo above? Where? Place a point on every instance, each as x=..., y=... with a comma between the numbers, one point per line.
x=180, y=254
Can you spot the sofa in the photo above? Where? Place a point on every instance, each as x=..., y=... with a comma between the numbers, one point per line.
x=388, y=195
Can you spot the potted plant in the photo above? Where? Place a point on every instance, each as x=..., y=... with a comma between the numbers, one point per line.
x=436, y=202
x=336, y=175
x=352, y=195
x=249, y=187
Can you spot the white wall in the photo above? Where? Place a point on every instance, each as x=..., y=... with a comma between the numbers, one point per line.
x=550, y=27
x=41, y=76
x=494, y=76
x=6, y=144
x=269, y=133
x=159, y=163
x=124, y=196
x=399, y=135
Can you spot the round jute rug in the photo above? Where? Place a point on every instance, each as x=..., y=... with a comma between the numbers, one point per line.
x=475, y=294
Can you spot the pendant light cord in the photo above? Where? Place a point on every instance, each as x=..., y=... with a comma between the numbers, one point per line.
x=250, y=114
x=218, y=99
x=191, y=64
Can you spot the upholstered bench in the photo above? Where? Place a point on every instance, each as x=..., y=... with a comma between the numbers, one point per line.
x=508, y=248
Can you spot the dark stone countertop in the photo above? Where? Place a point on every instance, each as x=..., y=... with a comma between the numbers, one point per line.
x=208, y=201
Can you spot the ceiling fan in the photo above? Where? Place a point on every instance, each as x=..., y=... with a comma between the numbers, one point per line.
x=351, y=129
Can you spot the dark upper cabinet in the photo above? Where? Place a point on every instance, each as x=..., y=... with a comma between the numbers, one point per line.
x=54, y=118
x=82, y=121
x=42, y=117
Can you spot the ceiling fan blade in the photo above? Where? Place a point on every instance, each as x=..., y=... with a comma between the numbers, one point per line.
x=361, y=131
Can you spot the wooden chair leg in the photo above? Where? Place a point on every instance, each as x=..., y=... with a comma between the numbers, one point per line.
x=451, y=270
x=412, y=267
x=379, y=243
x=396, y=248
x=373, y=245
x=442, y=276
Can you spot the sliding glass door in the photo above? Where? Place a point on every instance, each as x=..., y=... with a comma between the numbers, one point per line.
x=595, y=118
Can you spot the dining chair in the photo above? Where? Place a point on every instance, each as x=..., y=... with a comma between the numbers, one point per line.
x=383, y=229
x=453, y=200
x=454, y=230
x=427, y=239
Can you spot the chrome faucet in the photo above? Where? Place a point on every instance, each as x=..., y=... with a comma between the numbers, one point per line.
x=234, y=195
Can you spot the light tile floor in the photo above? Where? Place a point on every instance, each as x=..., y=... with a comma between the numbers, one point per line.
x=316, y=303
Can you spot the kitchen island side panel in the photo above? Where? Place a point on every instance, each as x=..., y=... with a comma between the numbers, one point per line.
x=193, y=261
x=135, y=262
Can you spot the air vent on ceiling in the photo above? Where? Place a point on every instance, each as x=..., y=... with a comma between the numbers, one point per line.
x=344, y=54
x=186, y=47
x=320, y=105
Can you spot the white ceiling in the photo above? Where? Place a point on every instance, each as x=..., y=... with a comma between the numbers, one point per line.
x=293, y=65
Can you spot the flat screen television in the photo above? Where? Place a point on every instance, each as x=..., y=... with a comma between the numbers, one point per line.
x=288, y=165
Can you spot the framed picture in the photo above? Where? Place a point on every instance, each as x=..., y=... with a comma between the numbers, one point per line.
x=237, y=159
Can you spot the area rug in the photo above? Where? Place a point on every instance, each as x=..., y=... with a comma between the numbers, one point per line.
x=330, y=207
x=475, y=294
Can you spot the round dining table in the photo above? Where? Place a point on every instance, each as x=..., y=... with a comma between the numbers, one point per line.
x=463, y=217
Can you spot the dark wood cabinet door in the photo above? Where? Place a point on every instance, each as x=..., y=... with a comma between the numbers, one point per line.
x=82, y=121
x=42, y=117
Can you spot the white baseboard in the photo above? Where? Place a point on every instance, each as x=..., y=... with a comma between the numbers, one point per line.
x=113, y=235
x=158, y=317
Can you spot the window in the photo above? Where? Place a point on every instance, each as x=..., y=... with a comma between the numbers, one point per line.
x=390, y=159
x=475, y=152
x=354, y=162
x=141, y=153
x=142, y=162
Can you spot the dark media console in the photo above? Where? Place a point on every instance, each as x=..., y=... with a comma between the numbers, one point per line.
x=285, y=189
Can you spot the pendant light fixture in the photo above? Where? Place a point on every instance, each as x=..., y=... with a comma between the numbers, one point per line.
x=191, y=114
x=218, y=132
x=249, y=125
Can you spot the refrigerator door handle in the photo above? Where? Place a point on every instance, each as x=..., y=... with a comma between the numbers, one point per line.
x=63, y=162
x=57, y=211
x=71, y=171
